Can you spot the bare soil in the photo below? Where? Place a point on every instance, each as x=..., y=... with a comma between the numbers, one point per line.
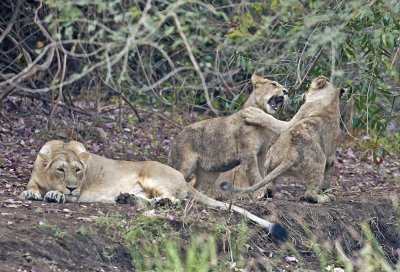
x=37, y=236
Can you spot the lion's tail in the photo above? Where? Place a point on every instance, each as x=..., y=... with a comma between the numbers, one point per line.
x=271, y=176
x=275, y=229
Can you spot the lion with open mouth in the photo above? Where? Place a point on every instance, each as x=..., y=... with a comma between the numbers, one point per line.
x=206, y=148
x=306, y=147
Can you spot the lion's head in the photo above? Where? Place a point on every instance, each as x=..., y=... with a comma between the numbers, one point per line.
x=267, y=95
x=63, y=167
x=321, y=89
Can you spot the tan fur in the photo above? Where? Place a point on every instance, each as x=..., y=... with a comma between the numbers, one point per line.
x=307, y=144
x=66, y=172
x=346, y=105
x=206, y=148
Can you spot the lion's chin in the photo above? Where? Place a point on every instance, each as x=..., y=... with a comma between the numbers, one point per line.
x=71, y=198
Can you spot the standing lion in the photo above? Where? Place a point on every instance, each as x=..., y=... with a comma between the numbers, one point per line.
x=307, y=144
x=206, y=148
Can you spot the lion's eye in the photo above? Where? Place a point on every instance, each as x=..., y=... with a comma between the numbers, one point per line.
x=274, y=84
x=60, y=170
x=77, y=170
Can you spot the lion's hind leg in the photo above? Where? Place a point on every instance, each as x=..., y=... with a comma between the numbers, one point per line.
x=164, y=201
x=137, y=199
x=315, y=179
x=162, y=185
x=142, y=200
x=162, y=197
x=158, y=195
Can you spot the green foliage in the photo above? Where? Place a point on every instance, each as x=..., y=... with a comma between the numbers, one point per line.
x=370, y=257
x=82, y=230
x=379, y=145
x=153, y=243
x=108, y=253
x=137, y=48
x=201, y=255
x=315, y=245
x=58, y=232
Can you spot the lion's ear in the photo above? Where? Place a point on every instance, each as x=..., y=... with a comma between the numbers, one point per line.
x=320, y=81
x=84, y=157
x=45, y=150
x=76, y=146
x=257, y=80
x=79, y=150
x=49, y=147
x=43, y=159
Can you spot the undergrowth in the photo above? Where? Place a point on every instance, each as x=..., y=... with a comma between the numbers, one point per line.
x=159, y=243
x=156, y=243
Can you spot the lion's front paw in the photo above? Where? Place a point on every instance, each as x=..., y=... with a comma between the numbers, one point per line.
x=29, y=195
x=253, y=116
x=54, y=196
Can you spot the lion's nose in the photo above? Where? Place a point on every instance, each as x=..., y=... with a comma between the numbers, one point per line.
x=71, y=188
x=285, y=92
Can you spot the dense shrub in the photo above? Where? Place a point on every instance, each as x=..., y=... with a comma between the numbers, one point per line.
x=201, y=53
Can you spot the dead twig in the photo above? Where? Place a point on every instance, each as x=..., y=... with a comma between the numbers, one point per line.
x=12, y=21
x=310, y=66
x=32, y=67
x=163, y=117
x=195, y=64
x=50, y=124
x=140, y=119
x=298, y=73
x=70, y=108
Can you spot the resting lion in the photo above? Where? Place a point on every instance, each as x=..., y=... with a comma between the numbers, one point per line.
x=66, y=172
x=206, y=148
x=307, y=144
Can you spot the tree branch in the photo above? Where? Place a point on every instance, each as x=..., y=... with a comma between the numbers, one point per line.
x=12, y=21
x=140, y=119
x=309, y=68
x=195, y=65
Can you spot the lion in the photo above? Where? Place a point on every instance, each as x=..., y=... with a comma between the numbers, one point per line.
x=206, y=148
x=346, y=104
x=67, y=172
x=307, y=143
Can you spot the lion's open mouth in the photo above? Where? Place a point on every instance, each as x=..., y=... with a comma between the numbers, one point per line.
x=276, y=102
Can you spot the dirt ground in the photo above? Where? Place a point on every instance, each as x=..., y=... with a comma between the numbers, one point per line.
x=37, y=236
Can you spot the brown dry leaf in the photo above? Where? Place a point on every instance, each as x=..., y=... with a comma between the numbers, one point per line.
x=88, y=219
x=12, y=203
